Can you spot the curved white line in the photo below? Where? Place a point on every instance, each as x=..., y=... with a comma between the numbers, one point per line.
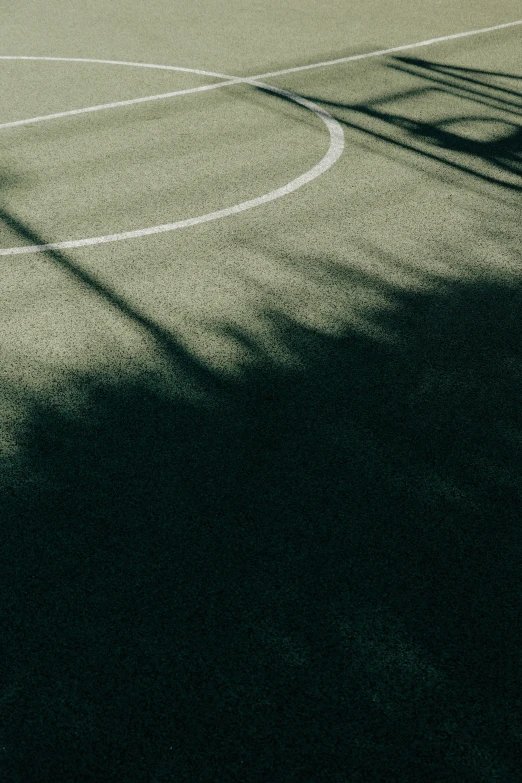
x=114, y=62
x=227, y=79
x=115, y=104
x=335, y=150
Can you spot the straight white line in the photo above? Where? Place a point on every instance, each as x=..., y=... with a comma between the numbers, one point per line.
x=334, y=151
x=115, y=104
x=381, y=52
x=227, y=80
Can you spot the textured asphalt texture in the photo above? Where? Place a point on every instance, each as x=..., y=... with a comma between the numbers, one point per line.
x=261, y=478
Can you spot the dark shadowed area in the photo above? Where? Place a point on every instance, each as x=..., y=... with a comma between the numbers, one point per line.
x=302, y=572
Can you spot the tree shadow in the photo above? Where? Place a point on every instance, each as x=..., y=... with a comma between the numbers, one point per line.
x=314, y=577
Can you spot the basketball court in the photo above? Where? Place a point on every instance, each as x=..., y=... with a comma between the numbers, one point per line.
x=260, y=391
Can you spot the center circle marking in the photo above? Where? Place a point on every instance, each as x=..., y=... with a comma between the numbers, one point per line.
x=333, y=153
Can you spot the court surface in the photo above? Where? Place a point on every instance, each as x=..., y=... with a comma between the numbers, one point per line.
x=260, y=398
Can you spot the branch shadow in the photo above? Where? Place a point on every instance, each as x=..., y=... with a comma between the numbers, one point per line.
x=315, y=579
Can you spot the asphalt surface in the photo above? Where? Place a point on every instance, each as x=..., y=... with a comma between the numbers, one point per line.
x=261, y=489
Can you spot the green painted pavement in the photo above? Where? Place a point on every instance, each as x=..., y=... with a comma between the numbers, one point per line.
x=261, y=477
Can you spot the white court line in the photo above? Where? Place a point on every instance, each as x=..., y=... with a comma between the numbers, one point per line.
x=381, y=52
x=227, y=79
x=116, y=104
x=334, y=152
x=114, y=62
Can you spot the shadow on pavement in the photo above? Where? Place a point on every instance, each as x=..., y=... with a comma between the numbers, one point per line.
x=315, y=578
x=473, y=122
